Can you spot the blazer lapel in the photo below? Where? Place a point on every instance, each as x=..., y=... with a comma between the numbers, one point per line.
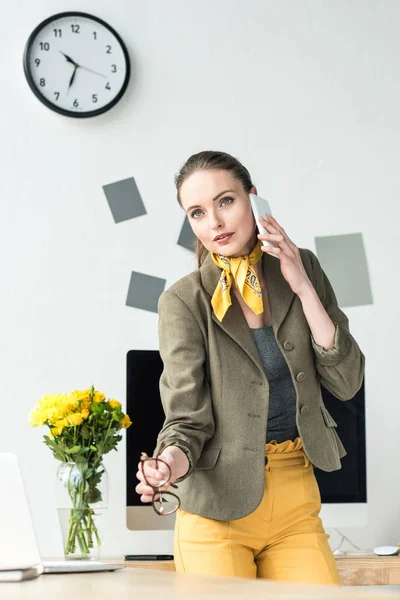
x=234, y=323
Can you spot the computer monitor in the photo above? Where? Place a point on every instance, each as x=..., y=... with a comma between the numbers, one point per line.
x=143, y=405
x=343, y=492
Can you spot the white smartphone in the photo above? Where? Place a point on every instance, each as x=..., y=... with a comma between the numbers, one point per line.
x=260, y=208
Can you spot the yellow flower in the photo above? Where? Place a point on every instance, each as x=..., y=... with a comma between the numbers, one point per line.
x=67, y=405
x=126, y=422
x=81, y=395
x=86, y=403
x=114, y=403
x=49, y=408
x=53, y=414
x=82, y=399
x=98, y=396
x=57, y=430
x=75, y=419
x=85, y=413
x=37, y=418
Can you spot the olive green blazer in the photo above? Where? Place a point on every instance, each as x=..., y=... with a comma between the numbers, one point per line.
x=215, y=392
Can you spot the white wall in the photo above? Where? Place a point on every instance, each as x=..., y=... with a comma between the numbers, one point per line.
x=305, y=93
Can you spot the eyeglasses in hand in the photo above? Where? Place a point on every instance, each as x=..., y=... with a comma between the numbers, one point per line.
x=164, y=503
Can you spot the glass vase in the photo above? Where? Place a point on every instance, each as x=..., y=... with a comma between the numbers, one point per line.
x=82, y=498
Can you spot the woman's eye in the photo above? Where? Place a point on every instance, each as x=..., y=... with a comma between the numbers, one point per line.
x=193, y=214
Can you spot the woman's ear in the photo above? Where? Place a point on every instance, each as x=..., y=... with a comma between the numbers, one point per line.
x=254, y=190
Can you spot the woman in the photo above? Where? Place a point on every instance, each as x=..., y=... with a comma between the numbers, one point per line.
x=246, y=341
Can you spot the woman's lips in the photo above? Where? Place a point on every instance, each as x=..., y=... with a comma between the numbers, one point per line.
x=225, y=240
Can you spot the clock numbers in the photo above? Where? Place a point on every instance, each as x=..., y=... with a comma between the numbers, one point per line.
x=95, y=35
x=42, y=82
x=57, y=95
x=94, y=98
x=113, y=68
x=57, y=32
x=37, y=61
x=44, y=46
x=108, y=49
x=75, y=28
x=108, y=86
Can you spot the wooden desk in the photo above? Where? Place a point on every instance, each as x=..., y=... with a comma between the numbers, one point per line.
x=353, y=570
x=145, y=584
x=369, y=570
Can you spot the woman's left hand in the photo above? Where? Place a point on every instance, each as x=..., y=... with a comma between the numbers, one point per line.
x=288, y=254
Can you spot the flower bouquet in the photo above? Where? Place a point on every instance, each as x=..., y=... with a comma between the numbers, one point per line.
x=83, y=426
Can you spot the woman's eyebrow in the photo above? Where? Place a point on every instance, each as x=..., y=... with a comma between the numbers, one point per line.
x=216, y=198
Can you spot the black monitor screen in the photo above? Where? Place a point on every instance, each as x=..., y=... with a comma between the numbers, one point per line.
x=349, y=484
x=143, y=405
x=144, y=368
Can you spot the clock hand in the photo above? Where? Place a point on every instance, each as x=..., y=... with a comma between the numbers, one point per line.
x=69, y=59
x=72, y=78
x=91, y=71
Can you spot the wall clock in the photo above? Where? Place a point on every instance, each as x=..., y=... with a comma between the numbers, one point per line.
x=76, y=64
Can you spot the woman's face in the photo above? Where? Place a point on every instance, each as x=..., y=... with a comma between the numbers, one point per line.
x=215, y=203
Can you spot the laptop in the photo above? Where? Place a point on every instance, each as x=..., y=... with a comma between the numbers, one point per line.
x=19, y=553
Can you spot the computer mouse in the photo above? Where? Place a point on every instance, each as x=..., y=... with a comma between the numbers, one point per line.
x=386, y=550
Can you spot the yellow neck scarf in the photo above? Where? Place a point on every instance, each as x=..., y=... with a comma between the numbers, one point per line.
x=246, y=280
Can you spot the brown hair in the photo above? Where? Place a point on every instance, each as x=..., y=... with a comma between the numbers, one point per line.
x=211, y=160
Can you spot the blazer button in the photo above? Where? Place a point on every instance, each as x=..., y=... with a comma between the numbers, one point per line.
x=300, y=376
x=287, y=345
x=304, y=409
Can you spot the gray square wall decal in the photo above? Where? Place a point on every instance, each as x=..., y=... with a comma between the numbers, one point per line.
x=187, y=238
x=144, y=291
x=344, y=261
x=124, y=200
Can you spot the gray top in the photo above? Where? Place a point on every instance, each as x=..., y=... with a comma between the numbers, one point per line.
x=282, y=394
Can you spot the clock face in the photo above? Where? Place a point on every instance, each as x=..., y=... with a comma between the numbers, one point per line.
x=76, y=64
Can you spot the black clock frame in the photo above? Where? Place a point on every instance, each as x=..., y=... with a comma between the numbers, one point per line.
x=45, y=101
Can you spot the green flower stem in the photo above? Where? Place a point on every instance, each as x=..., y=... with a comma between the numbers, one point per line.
x=82, y=527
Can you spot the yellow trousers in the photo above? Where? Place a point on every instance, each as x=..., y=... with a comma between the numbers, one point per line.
x=282, y=539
